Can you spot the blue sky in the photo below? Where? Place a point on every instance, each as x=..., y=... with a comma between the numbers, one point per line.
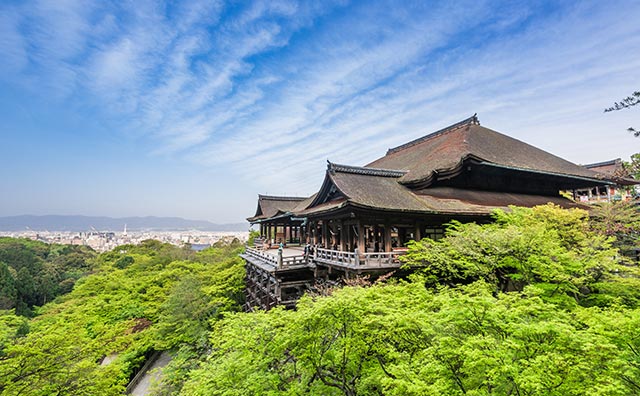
x=193, y=108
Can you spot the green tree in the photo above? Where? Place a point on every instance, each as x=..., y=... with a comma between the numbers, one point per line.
x=545, y=246
x=7, y=288
x=26, y=292
x=632, y=167
x=620, y=220
x=253, y=234
x=626, y=103
x=403, y=339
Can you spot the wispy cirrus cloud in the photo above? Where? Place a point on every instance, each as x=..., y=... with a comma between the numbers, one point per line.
x=273, y=88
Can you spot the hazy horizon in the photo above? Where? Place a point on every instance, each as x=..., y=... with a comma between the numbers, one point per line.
x=77, y=223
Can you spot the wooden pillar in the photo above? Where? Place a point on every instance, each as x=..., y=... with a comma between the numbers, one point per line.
x=361, y=247
x=343, y=236
x=387, y=238
x=325, y=234
x=418, y=232
x=377, y=242
x=331, y=234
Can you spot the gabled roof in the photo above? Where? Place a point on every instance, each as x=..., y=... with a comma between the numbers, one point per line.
x=270, y=206
x=605, y=166
x=613, y=169
x=373, y=187
x=444, y=152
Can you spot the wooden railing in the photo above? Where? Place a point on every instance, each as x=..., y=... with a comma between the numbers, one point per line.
x=382, y=259
x=355, y=260
x=276, y=260
x=336, y=257
x=294, y=260
x=262, y=256
x=347, y=258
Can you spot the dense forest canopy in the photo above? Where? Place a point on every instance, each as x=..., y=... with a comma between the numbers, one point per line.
x=540, y=302
x=153, y=296
x=33, y=273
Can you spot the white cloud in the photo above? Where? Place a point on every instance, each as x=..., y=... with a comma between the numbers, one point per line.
x=13, y=46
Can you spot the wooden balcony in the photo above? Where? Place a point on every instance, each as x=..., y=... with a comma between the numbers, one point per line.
x=273, y=260
x=294, y=258
x=360, y=261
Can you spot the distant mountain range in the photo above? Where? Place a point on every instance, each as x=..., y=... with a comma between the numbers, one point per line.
x=87, y=223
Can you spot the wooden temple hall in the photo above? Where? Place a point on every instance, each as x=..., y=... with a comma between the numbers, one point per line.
x=361, y=218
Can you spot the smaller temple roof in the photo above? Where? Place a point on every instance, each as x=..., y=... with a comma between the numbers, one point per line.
x=270, y=206
x=609, y=167
x=613, y=169
x=374, y=188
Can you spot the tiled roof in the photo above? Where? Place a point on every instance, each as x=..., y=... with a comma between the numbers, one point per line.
x=615, y=170
x=269, y=206
x=385, y=193
x=445, y=151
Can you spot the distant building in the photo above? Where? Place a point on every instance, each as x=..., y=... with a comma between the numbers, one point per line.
x=613, y=171
x=361, y=217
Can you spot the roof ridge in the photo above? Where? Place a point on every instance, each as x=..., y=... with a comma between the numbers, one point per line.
x=281, y=198
x=473, y=120
x=603, y=163
x=361, y=170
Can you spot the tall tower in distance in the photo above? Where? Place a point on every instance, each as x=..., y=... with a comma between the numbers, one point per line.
x=125, y=230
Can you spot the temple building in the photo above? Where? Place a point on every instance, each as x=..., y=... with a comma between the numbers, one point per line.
x=615, y=171
x=361, y=218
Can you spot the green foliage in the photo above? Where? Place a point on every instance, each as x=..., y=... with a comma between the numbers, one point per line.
x=620, y=220
x=402, y=339
x=7, y=287
x=33, y=273
x=253, y=234
x=124, y=262
x=547, y=247
x=632, y=167
x=11, y=328
x=540, y=302
x=159, y=300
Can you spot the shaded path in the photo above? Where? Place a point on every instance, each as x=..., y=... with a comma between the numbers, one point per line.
x=150, y=376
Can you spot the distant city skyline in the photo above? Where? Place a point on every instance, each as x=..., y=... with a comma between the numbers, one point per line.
x=191, y=109
x=101, y=223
